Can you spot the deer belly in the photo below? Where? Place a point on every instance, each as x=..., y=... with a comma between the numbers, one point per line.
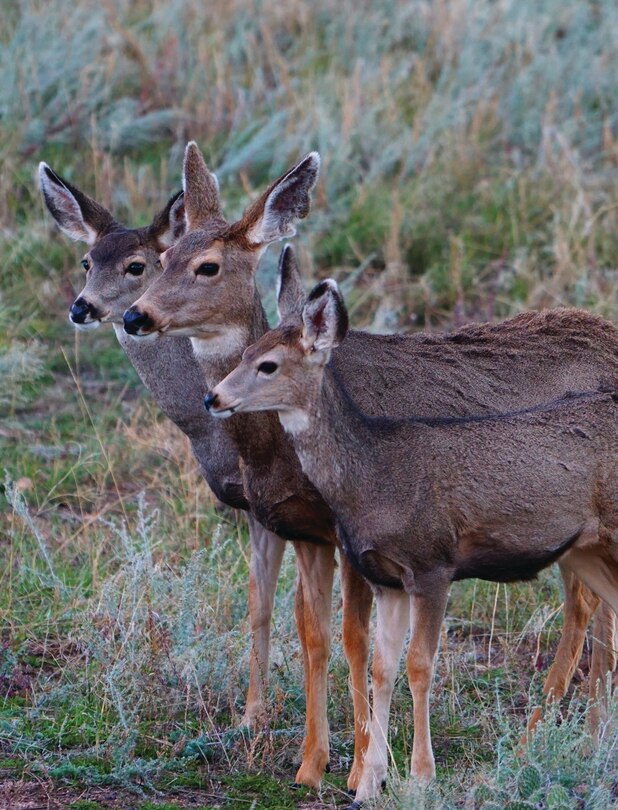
x=506, y=558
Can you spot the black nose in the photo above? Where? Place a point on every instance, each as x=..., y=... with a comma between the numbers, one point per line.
x=80, y=309
x=134, y=320
x=210, y=400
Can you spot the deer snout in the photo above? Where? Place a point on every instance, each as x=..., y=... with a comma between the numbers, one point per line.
x=210, y=400
x=217, y=407
x=133, y=321
x=80, y=310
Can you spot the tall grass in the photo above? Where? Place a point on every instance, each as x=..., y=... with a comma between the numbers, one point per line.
x=470, y=161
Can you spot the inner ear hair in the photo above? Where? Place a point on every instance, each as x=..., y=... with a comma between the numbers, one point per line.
x=286, y=201
x=77, y=214
x=325, y=317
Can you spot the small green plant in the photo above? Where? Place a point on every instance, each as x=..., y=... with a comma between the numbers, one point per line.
x=528, y=781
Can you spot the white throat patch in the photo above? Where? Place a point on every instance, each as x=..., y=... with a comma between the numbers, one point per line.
x=222, y=343
x=295, y=421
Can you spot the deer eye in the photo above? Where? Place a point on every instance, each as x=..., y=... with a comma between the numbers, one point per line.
x=207, y=269
x=136, y=268
x=267, y=367
x=85, y=264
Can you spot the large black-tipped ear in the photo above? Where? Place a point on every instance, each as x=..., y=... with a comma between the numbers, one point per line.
x=201, y=189
x=77, y=214
x=170, y=223
x=290, y=292
x=325, y=318
x=286, y=201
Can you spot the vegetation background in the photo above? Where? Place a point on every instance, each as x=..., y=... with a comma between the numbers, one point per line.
x=470, y=159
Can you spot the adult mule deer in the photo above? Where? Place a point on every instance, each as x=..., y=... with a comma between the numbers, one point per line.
x=208, y=291
x=119, y=264
x=421, y=502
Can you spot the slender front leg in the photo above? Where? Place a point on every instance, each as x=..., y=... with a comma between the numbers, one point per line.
x=426, y=615
x=393, y=619
x=357, y=602
x=602, y=665
x=265, y=563
x=316, y=566
x=579, y=605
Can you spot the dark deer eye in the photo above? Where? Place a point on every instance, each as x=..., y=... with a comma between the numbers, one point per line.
x=136, y=268
x=207, y=269
x=267, y=367
x=85, y=264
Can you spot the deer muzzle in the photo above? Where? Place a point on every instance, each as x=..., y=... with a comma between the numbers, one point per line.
x=136, y=323
x=84, y=315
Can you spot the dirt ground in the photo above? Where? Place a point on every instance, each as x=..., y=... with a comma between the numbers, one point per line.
x=42, y=795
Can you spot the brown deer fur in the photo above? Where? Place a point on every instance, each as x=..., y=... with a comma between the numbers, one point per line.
x=457, y=374
x=170, y=372
x=422, y=501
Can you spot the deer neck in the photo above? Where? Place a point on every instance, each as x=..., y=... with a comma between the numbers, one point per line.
x=169, y=371
x=332, y=438
x=258, y=437
x=217, y=356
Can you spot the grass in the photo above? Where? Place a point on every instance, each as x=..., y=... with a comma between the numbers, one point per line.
x=470, y=154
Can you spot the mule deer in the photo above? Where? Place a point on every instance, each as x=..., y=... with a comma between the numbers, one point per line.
x=421, y=502
x=212, y=268
x=208, y=291
x=119, y=264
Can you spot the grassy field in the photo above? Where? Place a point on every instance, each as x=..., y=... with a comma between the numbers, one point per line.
x=470, y=168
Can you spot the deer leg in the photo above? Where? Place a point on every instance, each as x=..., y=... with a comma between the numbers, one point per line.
x=427, y=615
x=357, y=601
x=316, y=566
x=299, y=617
x=597, y=568
x=602, y=665
x=393, y=619
x=265, y=563
x=579, y=605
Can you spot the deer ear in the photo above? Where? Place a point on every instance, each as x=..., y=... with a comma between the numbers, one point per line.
x=201, y=189
x=170, y=223
x=290, y=292
x=287, y=200
x=77, y=214
x=325, y=318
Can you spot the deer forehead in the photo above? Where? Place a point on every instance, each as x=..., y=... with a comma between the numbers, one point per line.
x=284, y=338
x=192, y=251
x=115, y=247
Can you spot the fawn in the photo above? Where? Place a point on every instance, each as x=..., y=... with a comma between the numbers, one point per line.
x=423, y=501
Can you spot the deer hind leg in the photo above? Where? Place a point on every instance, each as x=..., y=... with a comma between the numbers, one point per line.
x=316, y=566
x=265, y=563
x=393, y=619
x=579, y=605
x=597, y=566
x=602, y=665
x=357, y=601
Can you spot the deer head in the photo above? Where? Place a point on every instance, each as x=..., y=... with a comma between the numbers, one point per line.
x=283, y=370
x=120, y=262
x=207, y=289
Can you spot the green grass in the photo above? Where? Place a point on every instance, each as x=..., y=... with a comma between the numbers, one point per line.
x=469, y=172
